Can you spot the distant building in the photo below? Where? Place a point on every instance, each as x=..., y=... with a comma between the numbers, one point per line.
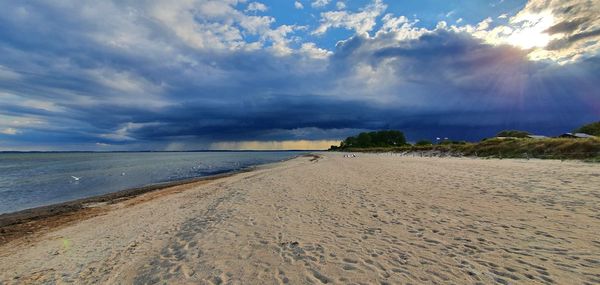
x=576, y=136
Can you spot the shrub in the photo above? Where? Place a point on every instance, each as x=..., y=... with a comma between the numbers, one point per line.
x=447, y=142
x=423, y=143
x=590, y=129
x=513, y=134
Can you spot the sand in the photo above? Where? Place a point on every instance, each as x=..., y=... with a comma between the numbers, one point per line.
x=373, y=219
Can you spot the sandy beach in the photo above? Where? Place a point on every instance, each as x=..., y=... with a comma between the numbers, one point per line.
x=372, y=219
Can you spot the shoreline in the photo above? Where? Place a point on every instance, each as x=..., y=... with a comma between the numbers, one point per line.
x=33, y=221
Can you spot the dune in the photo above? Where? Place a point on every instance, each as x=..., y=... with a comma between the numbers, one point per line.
x=371, y=219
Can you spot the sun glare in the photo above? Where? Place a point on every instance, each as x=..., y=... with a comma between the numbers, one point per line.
x=532, y=30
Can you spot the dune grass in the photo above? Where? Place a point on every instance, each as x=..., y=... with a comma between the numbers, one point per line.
x=551, y=148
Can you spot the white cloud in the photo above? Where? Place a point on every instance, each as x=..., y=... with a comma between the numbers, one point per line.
x=42, y=105
x=123, y=81
x=10, y=131
x=340, y=5
x=217, y=25
x=256, y=6
x=256, y=24
x=298, y=5
x=124, y=132
x=16, y=99
x=563, y=31
x=313, y=51
x=13, y=122
x=391, y=23
x=279, y=39
x=320, y=3
x=361, y=22
x=485, y=24
x=400, y=28
x=216, y=31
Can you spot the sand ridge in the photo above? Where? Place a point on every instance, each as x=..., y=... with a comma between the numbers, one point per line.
x=373, y=219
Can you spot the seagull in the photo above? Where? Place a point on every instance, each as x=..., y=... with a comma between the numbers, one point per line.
x=75, y=178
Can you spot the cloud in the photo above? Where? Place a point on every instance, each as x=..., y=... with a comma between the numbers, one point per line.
x=298, y=5
x=340, y=5
x=566, y=27
x=9, y=131
x=197, y=74
x=575, y=31
x=256, y=7
x=124, y=132
x=7, y=74
x=313, y=51
x=562, y=31
x=320, y=3
x=361, y=22
x=400, y=28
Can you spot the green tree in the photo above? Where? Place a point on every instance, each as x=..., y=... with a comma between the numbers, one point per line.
x=590, y=129
x=364, y=140
x=375, y=139
x=513, y=134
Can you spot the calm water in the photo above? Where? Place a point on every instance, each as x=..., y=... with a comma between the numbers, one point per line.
x=29, y=180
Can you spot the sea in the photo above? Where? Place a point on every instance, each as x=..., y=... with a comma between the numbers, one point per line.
x=29, y=180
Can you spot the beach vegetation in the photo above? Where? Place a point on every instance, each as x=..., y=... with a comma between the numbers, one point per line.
x=423, y=143
x=446, y=142
x=386, y=138
x=513, y=134
x=592, y=129
x=549, y=148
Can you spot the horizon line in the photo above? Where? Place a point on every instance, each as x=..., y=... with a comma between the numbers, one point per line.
x=119, y=151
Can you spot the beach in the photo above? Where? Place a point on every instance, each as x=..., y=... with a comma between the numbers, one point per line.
x=370, y=219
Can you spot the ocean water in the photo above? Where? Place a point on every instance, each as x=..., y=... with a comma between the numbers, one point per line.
x=30, y=180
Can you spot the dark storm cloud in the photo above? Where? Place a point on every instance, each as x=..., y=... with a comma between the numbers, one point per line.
x=80, y=87
x=570, y=40
x=567, y=26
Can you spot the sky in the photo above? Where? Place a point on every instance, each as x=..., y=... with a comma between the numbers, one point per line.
x=286, y=74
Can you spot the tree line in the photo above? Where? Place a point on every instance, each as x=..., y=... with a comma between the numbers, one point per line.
x=374, y=139
x=393, y=138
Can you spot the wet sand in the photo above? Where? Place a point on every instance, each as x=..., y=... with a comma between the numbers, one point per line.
x=374, y=219
x=28, y=224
